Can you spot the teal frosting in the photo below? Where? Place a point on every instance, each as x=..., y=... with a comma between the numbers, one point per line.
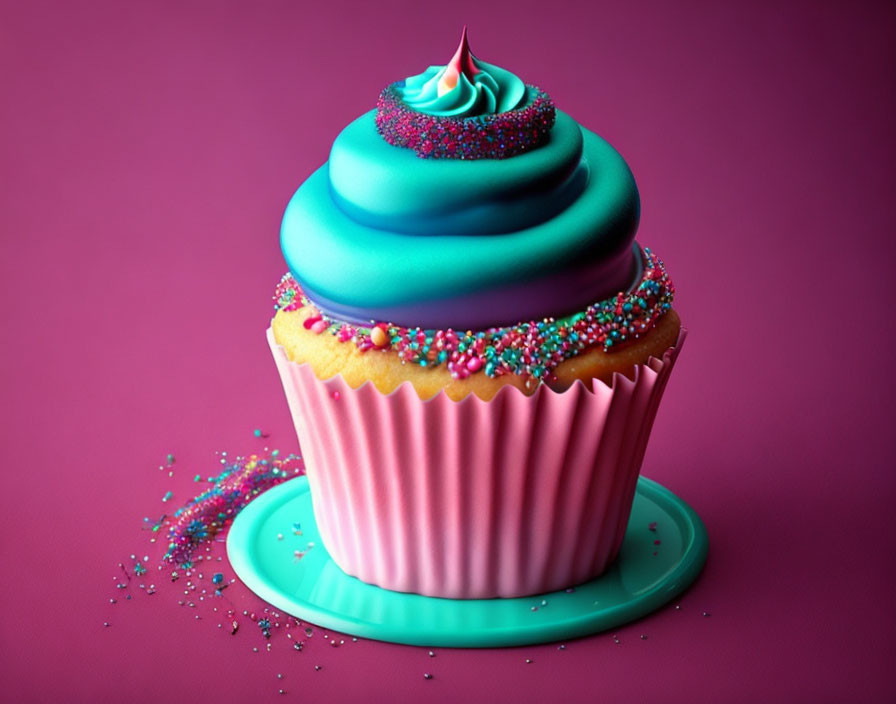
x=392, y=189
x=492, y=90
x=377, y=230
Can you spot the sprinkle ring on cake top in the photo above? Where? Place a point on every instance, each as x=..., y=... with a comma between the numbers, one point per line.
x=529, y=348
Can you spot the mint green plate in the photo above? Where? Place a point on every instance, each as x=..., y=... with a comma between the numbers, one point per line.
x=262, y=547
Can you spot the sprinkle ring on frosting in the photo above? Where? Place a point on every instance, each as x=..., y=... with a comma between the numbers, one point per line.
x=496, y=136
x=531, y=348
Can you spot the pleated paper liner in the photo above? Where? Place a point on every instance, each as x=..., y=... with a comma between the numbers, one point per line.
x=473, y=499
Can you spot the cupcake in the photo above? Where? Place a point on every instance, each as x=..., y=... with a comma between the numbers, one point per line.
x=472, y=344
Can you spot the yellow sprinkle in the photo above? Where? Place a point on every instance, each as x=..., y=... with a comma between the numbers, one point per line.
x=379, y=337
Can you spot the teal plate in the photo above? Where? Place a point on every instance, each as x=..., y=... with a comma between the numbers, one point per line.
x=263, y=549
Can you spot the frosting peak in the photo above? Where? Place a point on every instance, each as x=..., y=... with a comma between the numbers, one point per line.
x=465, y=87
x=461, y=63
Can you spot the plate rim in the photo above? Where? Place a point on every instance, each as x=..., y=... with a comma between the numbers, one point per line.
x=694, y=551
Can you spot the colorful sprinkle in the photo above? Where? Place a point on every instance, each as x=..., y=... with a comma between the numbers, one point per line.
x=483, y=137
x=202, y=518
x=530, y=349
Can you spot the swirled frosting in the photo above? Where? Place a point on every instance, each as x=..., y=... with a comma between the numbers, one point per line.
x=378, y=234
x=465, y=87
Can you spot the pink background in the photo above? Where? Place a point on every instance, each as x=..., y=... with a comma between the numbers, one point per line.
x=148, y=151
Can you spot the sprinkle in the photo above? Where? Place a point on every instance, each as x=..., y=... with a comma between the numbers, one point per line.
x=529, y=349
x=200, y=520
x=378, y=336
x=265, y=626
x=496, y=136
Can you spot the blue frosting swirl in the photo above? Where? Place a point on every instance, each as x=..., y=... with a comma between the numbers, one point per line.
x=378, y=234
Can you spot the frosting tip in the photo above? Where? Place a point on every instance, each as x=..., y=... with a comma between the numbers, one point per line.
x=461, y=63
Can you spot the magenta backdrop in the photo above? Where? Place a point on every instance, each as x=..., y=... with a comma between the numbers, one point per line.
x=148, y=151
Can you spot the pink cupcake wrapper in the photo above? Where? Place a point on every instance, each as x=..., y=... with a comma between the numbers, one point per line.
x=473, y=499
